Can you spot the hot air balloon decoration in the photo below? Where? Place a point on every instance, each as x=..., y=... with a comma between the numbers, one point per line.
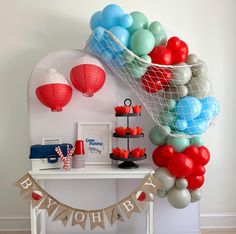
x=53, y=90
x=88, y=75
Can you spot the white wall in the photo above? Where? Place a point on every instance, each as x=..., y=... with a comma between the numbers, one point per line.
x=31, y=29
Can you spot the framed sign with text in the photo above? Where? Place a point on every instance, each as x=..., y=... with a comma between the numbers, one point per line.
x=97, y=141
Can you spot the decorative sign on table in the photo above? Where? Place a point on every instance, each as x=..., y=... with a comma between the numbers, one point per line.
x=97, y=139
x=133, y=203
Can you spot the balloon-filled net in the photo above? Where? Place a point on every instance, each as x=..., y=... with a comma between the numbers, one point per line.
x=177, y=97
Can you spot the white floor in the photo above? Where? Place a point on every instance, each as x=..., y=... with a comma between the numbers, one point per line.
x=211, y=231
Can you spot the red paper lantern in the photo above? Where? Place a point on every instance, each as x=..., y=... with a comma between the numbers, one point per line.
x=88, y=75
x=53, y=90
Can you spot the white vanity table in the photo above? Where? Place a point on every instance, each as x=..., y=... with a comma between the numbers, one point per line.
x=80, y=188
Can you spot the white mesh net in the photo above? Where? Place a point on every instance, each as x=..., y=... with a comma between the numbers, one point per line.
x=178, y=97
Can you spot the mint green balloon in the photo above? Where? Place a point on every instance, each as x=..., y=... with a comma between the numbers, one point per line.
x=179, y=143
x=136, y=70
x=147, y=58
x=142, y=42
x=170, y=104
x=197, y=141
x=140, y=21
x=168, y=118
x=160, y=38
x=128, y=58
x=157, y=137
x=155, y=27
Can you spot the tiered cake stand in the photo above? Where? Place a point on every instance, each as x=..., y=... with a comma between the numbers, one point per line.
x=128, y=163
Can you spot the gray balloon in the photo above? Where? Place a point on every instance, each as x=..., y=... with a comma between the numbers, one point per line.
x=199, y=69
x=181, y=183
x=179, y=198
x=176, y=92
x=199, y=87
x=196, y=195
x=181, y=74
x=165, y=178
x=192, y=59
x=161, y=193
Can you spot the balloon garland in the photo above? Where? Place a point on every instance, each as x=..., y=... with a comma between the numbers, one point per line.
x=181, y=163
x=173, y=86
x=171, y=82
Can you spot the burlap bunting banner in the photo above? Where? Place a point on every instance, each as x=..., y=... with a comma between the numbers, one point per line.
x=35, y=195
x=79, y=217
x=63, y=214
x=50, y=204
x=25, y=184
x=151, y=184
x=113, y=214
x=96, y=219
x=141, y=197
x=128, y=206
x=135, y=202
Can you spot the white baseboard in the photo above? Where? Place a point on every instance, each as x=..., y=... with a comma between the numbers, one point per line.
x=14, y=223
x=218, y=220
x=208, y=221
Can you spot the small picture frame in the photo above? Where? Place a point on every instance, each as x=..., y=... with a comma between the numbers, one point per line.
x=97, y=141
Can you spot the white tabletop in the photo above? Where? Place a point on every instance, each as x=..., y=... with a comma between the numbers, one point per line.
x=93, y=172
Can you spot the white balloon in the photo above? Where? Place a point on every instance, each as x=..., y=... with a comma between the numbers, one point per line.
x=181, y=74
x=161, y=193
x=196, y=195
x=192, y=59
x=181, y=183
x=165, y=178
x=179, y=198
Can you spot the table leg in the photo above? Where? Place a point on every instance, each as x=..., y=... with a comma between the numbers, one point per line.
x=149, y=218
x=33, y=219
x=42, y=213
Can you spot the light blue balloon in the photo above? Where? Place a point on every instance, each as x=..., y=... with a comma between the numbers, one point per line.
x=121, y=34
x=119, y=60
x=107, y=56
x=196, y=126
x=96, y=20
x=98, y=34
x=188, y=108
x=210, y=108
x=126, y=20
x=111, y=15
x=181, y=124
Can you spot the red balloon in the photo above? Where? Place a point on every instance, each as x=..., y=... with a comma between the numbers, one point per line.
x=155, y=79
x=193, y=152
x=167, y=151
x=151, y=84
x=161, y=55
x=180, y=165
x=179, y=49
x=204, y=155
x=198, y=170
x=179, y=56
x=174, y=43
x=158, y=158
x=195, y=182
x=183, y=47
